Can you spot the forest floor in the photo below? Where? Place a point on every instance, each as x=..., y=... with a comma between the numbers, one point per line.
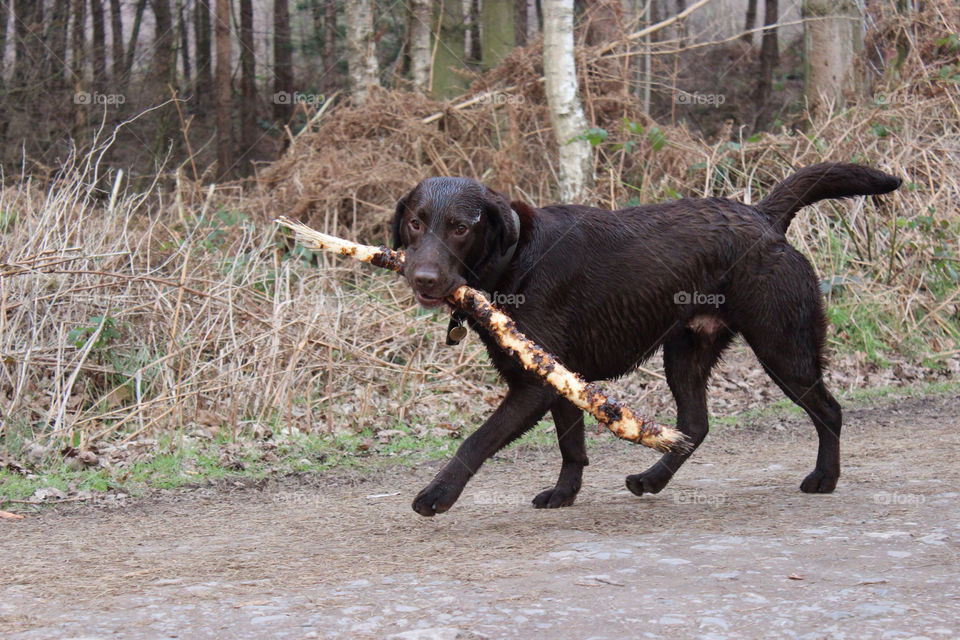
x=730, y=549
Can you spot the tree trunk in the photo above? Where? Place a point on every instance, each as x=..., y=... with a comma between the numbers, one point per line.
x=116, y=32
x=134, y=37
x=533, y=21
x=832, y=40
x=448, y=53
x=420, y=44
x=566, y=114
x=4, y=19
x=497, y=33
x=30, y=50
x=98, y=46
x=57, y=37
x=203, y=85
x=248, y=91
x=750, y=22
x=163, y=51
x=283, y=89
x=78, y=57
x=361, y=49
x=184, y=46
x=768, y=60
x=223, y=91
x=78, y=44
x=330, y=44
x=473, y=44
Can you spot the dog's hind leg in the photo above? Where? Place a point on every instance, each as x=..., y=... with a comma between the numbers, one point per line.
x=568, y=422
x=688, y=359
x=795, y=366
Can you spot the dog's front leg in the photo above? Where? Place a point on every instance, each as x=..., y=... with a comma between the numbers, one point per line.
x=523, y=406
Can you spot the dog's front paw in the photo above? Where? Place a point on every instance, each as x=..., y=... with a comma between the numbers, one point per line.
x=435, y=498
x=554, y=498
x=646, y=482
x=819, y=482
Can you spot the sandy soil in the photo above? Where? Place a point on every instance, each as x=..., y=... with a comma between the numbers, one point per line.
x=731, y=549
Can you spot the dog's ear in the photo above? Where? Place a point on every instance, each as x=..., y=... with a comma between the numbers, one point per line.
x=397, y=221
x=503, y=223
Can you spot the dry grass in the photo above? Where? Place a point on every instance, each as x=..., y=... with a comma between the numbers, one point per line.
x=125, y=314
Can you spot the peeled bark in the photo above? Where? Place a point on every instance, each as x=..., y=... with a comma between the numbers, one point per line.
x=362, y=62
x=832, y=39
x=566, y=114
x=421, y=11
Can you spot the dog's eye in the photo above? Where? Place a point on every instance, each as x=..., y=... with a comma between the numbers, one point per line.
x=461, y=229
x=414, y=224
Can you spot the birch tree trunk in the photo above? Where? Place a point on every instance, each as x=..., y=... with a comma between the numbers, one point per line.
x=566, y=113
x=832, y=38
x=361, y=49
x=420, y=44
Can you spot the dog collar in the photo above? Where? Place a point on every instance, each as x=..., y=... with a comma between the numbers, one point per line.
x=455, y=329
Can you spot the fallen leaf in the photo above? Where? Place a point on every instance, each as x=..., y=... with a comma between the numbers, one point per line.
x=795, y=576
x=10, y=516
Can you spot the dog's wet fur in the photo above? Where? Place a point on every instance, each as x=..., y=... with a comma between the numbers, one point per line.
x=604, y=290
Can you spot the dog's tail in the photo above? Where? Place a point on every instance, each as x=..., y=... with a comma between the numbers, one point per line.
x=820, y=181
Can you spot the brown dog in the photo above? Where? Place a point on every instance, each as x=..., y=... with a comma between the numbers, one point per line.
x=603, y=290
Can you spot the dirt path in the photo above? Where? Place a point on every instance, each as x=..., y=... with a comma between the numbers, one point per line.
x=732, y=549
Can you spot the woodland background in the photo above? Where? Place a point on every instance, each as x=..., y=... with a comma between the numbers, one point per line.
x=154, y=324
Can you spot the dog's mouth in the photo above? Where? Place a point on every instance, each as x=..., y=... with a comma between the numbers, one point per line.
x=426, y=300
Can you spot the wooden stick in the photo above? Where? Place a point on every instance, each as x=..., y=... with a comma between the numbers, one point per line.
x=623, y=422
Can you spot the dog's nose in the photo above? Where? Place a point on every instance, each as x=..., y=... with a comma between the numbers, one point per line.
x=426, y=278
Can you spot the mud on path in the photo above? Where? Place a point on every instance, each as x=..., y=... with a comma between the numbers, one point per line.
x=731, y=549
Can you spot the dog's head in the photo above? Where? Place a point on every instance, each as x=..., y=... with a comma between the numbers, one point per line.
x=455, y=231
